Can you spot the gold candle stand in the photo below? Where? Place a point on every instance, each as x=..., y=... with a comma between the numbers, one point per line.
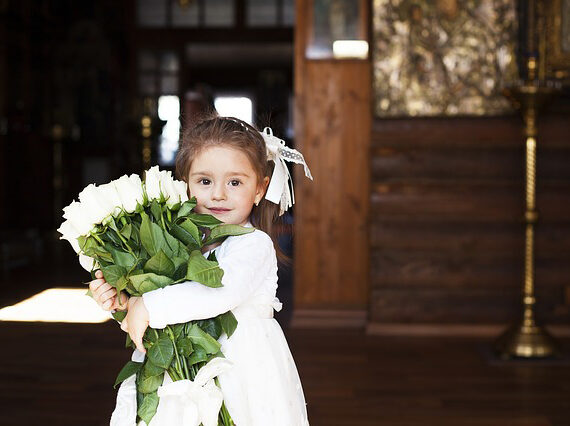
x=527, y=339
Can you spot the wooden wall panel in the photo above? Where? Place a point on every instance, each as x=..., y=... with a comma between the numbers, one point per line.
x=332, y=129
x=447, y=232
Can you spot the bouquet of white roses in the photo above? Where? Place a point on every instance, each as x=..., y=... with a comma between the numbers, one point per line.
x=144, y=236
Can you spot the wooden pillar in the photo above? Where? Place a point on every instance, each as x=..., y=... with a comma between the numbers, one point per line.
x=333, y=131
x=3, y=101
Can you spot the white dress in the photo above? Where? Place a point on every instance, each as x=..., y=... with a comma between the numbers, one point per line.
x=262, y=387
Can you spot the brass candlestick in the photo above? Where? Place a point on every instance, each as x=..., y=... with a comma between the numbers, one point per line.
x=527, y=339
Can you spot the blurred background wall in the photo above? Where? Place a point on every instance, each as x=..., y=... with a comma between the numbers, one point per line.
x=416, y=212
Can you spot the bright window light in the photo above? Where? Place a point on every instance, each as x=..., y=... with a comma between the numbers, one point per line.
x=235, y=106
x=169, y=111
x=357, y=49
x=56, y=305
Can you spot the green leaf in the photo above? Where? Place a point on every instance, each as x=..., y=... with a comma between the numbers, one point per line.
x=111, y=236
x=212, y=256
x=147, y=408
x=149, y=281
x=226, y=230
x=156, y=210
x=152, y=236
x=204, y=220
x=149, y=369
x=136, y=233
x=228, y=322
x=127, y=371
x=126, y=231
x=113, y=273
x=203, y=270
x=122, y=258
x=121, y=284
x=99, y=253
x=162, y=352
x=160, y=264
x=174, y=207
x=180, y=267
x=185, y=347
x=120, y=316
x=148, y=384
x=211, y=326
x=173, y=246
x=199, y=355
x=82, y=241
x=177, y=330
x=152, y=334
x=186, y=207
x=186, y=234
x=201, y=338
x=192, y=229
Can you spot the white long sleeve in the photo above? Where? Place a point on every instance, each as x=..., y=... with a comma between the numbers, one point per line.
x=247, y=261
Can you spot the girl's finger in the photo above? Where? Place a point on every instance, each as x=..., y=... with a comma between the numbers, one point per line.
x=120, y=302
x=95, y=284
x=103, y=288
x=98, y=273
x=137, y=340
x=109, y=294
x=107, y=300
x=107, y=305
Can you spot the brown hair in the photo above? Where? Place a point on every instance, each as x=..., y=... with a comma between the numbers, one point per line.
x=233, y=132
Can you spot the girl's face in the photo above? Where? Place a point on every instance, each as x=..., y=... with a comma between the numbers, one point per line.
x=225, y=184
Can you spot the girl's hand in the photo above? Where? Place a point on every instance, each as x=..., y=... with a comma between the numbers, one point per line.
x=136, y=321
x=105, y=295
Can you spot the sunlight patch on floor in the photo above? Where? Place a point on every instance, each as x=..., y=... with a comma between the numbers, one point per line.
x=56, y=305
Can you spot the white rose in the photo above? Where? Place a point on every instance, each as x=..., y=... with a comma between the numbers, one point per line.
x=77, y=216
x=171, y=189
x=69, y=233
x=152, y=183
x=130, y=191
x=112, y=199
x=97, y=207
x=182, y=189
x=88, y=263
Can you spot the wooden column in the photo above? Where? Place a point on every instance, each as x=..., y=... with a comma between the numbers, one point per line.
x=333, y=131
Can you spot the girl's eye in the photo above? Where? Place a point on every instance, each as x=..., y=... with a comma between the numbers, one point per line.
x=235, y=182
x=204, y=181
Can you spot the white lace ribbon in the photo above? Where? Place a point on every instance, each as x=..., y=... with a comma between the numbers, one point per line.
x=280, y=190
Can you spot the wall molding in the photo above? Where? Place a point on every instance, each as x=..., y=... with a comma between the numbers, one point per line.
x=328, y=318
x=451, y=330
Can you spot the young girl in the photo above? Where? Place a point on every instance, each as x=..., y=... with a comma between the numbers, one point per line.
x=227, y=164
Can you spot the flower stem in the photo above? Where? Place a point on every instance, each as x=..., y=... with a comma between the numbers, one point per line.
x=125, y=243
x=99, y=240
x=178, y=362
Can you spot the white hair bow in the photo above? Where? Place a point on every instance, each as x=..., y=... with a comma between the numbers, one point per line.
x=280, y=190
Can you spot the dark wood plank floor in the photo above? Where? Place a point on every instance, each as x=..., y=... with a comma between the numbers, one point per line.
x=61, y=374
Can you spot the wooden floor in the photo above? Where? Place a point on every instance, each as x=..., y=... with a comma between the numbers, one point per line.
x=61, y=374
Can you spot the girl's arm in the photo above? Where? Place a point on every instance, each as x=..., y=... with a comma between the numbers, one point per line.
x=246, y=260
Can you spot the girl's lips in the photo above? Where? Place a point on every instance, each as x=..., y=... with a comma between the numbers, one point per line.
x=218, y=210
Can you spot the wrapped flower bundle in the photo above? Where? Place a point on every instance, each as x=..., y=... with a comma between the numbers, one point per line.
x=144, y=236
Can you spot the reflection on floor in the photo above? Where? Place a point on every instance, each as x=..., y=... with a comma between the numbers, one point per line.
x=56, y=305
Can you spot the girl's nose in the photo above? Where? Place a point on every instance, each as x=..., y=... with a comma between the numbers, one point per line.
x=219, y=192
